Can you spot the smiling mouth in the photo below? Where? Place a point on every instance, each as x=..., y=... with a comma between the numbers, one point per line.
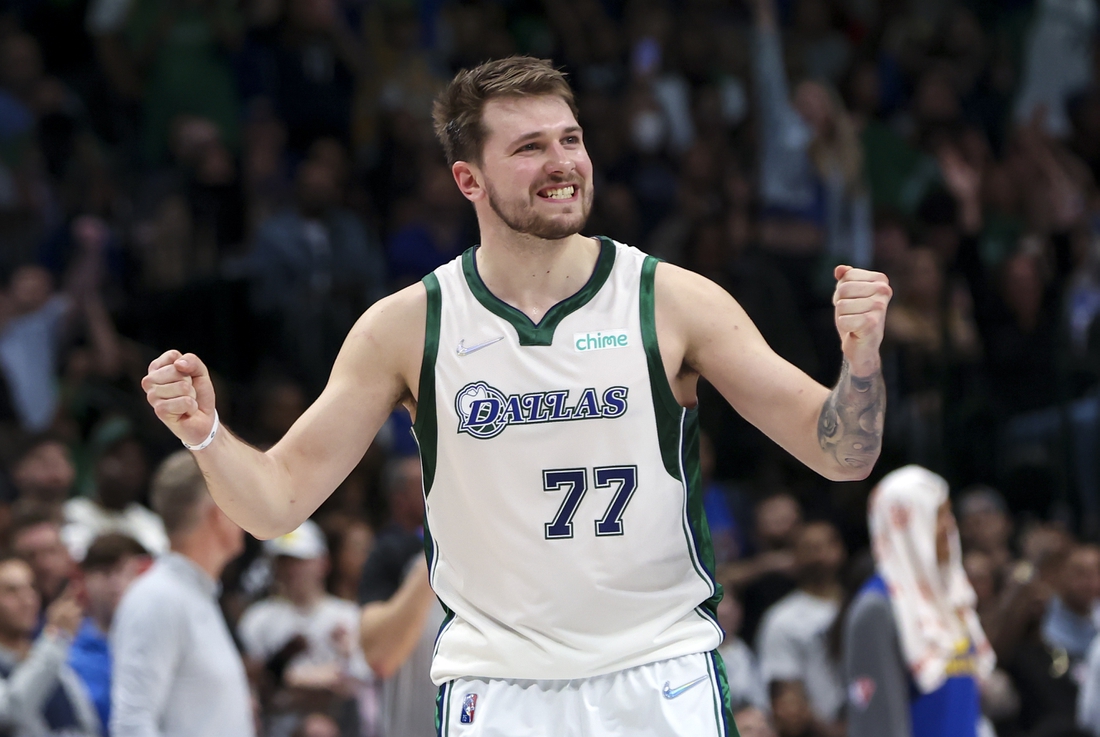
x=560, y=193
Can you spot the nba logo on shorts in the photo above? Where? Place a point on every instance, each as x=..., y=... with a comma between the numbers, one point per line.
x=469, y=702
x=860, y=692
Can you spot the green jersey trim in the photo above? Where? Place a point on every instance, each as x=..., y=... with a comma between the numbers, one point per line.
x=665, y=405
x=431, y=553
x=529, y=333
x=678, y=437
x=696, y=529
x=425, y=427
x=723, y=701
x=440, y=701
x=425, y=430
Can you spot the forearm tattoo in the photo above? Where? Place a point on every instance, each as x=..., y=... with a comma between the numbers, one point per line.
x=851, y=421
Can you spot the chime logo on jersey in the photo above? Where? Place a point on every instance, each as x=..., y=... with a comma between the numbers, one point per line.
x=484, y=411
x=600, y=340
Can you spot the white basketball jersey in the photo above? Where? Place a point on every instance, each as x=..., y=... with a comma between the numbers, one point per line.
x=564, y=511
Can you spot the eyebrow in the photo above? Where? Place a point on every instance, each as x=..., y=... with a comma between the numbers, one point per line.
x=539, y=134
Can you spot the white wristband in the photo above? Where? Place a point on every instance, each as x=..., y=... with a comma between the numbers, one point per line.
x=209, y=438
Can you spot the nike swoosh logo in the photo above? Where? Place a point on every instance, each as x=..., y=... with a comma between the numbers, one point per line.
x=462, y=350
x=671, y=693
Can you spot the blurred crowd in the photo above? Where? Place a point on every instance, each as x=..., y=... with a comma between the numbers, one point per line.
x=242, y=178
x=790, y=631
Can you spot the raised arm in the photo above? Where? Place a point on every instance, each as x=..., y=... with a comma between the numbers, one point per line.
x=837, y=433
x=271, y=493
x=85, y=288
x=389, y=630
x=769, y=73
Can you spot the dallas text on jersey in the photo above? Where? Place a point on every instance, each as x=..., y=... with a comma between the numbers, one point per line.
x=484, y=411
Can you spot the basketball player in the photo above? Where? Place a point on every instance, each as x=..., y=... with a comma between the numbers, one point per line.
x=552, y=381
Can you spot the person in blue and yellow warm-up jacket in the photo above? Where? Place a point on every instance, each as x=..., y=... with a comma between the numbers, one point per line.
x=914, y=651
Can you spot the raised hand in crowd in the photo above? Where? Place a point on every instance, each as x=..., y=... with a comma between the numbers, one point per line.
x=85, y=284
x=1061, y=176
x=964, y=182
x=65, y=613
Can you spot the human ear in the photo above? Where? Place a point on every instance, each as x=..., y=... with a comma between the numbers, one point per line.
x=468, y=178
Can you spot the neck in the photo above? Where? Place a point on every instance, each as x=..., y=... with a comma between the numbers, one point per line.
x=532, y=274
x=822, y=589
x=306, y=599
x=203, y=551
x=102, y=619
x=18, y=643
x=347, y=588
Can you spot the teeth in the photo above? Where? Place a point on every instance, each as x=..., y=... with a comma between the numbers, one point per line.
x=560, y=194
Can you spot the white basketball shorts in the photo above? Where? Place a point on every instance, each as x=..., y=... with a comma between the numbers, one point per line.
x=682, y=697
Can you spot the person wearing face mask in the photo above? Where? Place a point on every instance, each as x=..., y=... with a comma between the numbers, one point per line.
x=648, y=168
x=648, y=130
x=914, y=650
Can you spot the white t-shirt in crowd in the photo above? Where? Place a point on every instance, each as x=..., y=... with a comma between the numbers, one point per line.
x=743, y=674
x=268, y=625
x=792, y=646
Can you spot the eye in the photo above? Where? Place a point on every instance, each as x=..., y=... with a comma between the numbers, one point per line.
x=528, y=147
x=572, y=140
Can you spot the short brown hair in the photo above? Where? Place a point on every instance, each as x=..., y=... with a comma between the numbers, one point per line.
x=27, y=444
x=29, y=513
x=457, y=110
x=107, y=551
x=177, y=490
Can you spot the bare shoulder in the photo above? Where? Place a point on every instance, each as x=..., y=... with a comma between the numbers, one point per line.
x=389, y=337
x=404, y=310
x=681, y=289
x=376, y=370
x=692, y=305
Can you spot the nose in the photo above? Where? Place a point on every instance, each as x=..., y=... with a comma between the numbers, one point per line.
x=559, y=161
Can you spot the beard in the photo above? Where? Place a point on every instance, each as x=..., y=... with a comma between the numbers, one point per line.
x=522, y=217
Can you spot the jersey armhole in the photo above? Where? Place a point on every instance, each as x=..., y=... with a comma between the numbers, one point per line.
x=425, y=428
x=678, y=437
x=666, y=408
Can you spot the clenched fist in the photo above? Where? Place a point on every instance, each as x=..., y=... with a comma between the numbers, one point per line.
x=178, y=387
x=860, y=303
